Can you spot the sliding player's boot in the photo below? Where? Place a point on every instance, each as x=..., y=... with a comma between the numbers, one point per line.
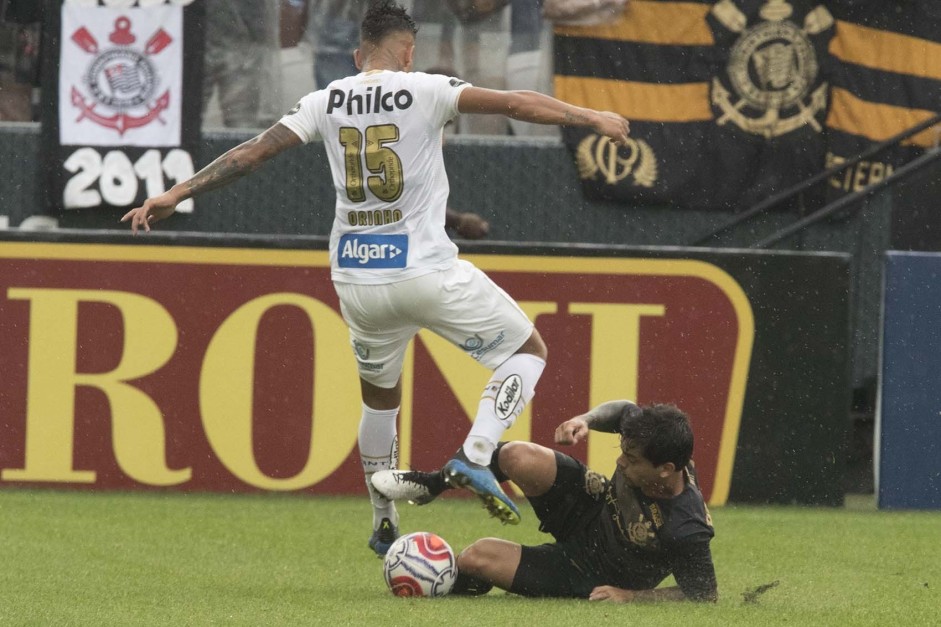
x=460, y=472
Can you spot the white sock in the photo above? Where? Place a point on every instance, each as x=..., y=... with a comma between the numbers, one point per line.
x=511, y=387
x=379, y=450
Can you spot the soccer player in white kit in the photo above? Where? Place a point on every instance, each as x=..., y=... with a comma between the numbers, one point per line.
x=392, y=264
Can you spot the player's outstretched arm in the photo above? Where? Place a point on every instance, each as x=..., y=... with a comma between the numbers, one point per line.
x=531, y=106
x=620, y=595
x=605, y=417
x=236, y=163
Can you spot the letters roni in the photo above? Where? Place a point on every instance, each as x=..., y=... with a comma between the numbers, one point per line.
x=166, y=388
x=369, y=102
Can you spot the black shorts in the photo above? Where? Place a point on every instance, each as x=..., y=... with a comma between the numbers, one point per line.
x=565, y=511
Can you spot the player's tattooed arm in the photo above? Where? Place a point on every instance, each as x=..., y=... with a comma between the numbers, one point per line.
x=605, y=417
x=620, y=595
x=244, y=158
x=575, y=118
x=241, y=160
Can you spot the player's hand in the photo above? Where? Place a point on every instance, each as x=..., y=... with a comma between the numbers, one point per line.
x=610, y=593
x=471, y=226
x=614, y=126
x=572, y=431
x=153, y=210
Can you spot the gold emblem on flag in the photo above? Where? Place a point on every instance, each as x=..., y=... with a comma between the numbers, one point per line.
x=599, y=156
x=772, y=70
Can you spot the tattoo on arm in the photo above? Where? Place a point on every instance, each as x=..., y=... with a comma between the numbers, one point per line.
x=573, y=118
x=606, y=417
x=241, y=160
x=220, y=172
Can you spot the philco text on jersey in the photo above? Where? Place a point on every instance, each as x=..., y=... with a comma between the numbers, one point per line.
x=369, y=102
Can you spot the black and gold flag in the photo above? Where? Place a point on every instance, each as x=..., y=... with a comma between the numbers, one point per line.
x=727, y=100
x=886, y=75
x=887, y=79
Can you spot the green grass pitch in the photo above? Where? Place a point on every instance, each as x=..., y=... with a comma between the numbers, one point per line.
x=79, y=558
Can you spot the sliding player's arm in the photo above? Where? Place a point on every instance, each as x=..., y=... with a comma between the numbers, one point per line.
x=236, y=163
x=621, y=595
x=695, y=577
x=606, y=417
x=531, y=106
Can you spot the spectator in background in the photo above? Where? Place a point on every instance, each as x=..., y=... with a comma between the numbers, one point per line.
x=241, y=44
x=433, y=12
x=583, y=12
x=529, y=62
x=332, y=28
x=333, y=31
x=19, y=58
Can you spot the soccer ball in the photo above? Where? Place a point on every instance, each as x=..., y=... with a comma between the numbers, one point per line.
x=420, y=564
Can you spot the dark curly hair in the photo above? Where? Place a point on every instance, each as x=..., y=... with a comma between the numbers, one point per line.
x=383, y=18
x=662, y=433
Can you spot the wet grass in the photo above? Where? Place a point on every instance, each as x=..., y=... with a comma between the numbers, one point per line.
x=78, y=558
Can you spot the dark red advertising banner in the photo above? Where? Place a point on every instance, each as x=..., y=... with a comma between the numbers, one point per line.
x=223, y=369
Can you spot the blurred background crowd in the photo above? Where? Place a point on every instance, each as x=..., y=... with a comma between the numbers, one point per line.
x=261, y=56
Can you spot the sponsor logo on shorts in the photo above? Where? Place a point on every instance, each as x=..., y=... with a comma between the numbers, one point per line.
x=373, y=251
x=362, y=352
x=480, y=351
x=473, y=343
x=509, y=396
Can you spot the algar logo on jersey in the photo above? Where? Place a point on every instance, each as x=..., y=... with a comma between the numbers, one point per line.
x=370, y=101
x=373, y=251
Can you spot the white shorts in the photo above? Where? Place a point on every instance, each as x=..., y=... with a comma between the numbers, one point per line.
x=461, y=304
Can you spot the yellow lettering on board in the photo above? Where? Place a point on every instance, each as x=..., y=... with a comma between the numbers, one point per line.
x=615, y=363
x=138, y=433
x=227, y=382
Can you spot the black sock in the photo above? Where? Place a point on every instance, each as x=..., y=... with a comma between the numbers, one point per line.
x=495, y=464
x=470, y=585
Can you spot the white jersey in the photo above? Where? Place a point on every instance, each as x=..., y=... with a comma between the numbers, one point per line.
x=383, y=131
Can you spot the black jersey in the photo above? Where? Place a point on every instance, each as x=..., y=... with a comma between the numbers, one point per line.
x=608, y=533
x=634, y=541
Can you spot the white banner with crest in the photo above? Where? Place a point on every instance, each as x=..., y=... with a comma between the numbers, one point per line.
x=123, y=114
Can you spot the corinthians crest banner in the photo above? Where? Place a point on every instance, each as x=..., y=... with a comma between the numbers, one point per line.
x=123, y=102
x=727, y=100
